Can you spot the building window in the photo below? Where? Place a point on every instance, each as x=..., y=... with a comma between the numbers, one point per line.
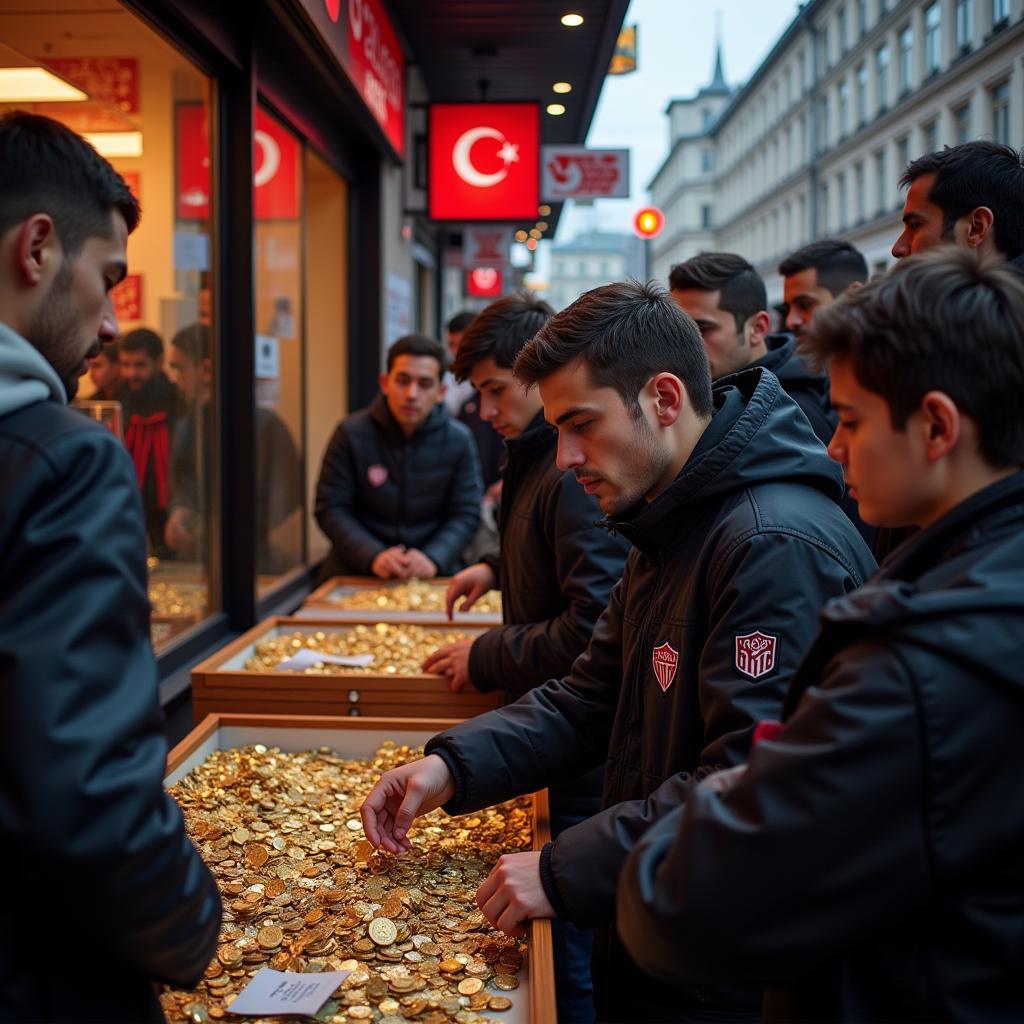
x=826, y=132
x=862, y=94
x=843, y=39
x=841, y=217
x=705, y=216
x=932, y=37
x=826, y=55
x=825, y=221
x=844, y=108
x=964, y=24
x=707, y=115
x=906, y=42
x=707, y=160
x=882, y=75
x=902, y=154
x=860, y=193
x=930, y=135
x=1000, y=12
x=962, y=123
x=1001, y=113
x=862, y=17
x=882, y=183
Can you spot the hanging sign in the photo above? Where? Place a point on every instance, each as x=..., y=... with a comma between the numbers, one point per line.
x=486, y=246
x=575, y=172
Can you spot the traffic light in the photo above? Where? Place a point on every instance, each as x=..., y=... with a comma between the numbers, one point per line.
x=649, y=222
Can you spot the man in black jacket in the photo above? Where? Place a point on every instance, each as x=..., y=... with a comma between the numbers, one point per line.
x=871, y=855
x=93, y=845
x=399, y=490
x=729, y=501
x=556, y=571
x=727, y=300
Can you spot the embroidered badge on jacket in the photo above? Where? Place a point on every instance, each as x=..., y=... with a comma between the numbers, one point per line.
x=666, y=660
x=755, y=654
x=377, y=475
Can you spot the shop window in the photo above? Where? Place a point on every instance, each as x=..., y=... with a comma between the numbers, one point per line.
x=146, y=108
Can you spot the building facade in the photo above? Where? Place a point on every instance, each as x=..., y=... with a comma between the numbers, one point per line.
x=813, y=145
x=589, y=260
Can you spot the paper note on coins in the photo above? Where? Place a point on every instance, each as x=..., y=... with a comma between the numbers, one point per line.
x=282, y=992
x=306, y=658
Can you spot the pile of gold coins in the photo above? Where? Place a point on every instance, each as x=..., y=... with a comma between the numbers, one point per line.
x=414, y=596
x=186, y=599
x=304, y=891
x=397, y=649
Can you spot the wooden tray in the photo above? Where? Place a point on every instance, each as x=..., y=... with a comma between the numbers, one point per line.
x=221, y=683
x=322, y=604
x=360, y=737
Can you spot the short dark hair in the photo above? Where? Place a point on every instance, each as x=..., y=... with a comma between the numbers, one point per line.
x=46, y=168
x=460, y=321
x=624, y=333
x=742, y=291
x=195, y=341
x=142, y=339
x=109, y=351
x=417, y=345
x=838, y=264
x=973, y=174
x=499, y=332
x=941, y=320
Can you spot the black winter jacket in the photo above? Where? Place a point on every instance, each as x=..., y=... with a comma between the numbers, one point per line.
x=810, y=390
x=105, y=892
x=871, y=856
x=556, y=570
x=717, y=604
x=379, y=488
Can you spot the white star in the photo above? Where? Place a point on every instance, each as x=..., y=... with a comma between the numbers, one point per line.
x=509, y=153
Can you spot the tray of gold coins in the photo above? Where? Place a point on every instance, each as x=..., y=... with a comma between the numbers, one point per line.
x=176, y=604
x=356, y=597
x=272, y=805
x=324, y=667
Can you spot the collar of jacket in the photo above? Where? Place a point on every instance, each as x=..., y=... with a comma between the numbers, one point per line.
x=538, y=436
x=757, y=434
x=381, y=415
x=25, y=375
x=783, y=358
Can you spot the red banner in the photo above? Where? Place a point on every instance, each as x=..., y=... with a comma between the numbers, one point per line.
x=483, y=283
x=127, y=297
x=484, y=161
x=110, y=80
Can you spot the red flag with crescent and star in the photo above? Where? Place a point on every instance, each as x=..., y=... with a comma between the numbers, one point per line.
x=484, y=161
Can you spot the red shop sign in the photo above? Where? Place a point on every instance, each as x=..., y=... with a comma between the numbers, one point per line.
x=484, y=161
x=483, y=282
x=110, y=80
x=127, y=299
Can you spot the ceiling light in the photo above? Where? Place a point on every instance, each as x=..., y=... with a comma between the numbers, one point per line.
x=114, y=144
x=534, y=233
x=542, y=225
x=521, y=235
x=531, y=244
x=36, y=85
x=544, y=210
x=555, y=109
x=572, y=20
x=562, y=87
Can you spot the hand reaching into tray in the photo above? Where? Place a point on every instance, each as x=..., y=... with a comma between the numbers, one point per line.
x=400, y=796
x=471, y=584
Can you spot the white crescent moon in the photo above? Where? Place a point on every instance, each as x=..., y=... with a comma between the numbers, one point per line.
x=271, y=158
x=464, y=166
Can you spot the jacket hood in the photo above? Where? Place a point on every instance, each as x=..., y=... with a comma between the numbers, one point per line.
x=783, y=359
x=25, y=375
x=758, y=434
x=381, y=414
x=952, y=585
x=537, y=436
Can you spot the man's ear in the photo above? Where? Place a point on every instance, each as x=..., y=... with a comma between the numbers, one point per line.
x=979, y=226
x=669, y=397
x=36, y=248
x=757, y=327
x=942, y=424
x=383, y=381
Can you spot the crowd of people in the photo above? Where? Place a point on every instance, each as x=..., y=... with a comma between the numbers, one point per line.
x=762, y=606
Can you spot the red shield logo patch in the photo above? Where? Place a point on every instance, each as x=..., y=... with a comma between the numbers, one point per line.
x=377, y=475
x=666, y=660
x=755, y=654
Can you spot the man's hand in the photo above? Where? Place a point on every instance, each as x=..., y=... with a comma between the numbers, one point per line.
x=179, y=532
x=452, y=661
x=419, y=565
x=471, y=584
x=400, y=796
x=391, y=563
x=513, y=894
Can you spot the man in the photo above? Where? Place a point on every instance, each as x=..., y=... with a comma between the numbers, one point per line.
x=399, y=489
x=969, y=194
x=105, y=372
x=150, y=410
x=871, y=856
x=556, y=572
x=456, y=392
x=89, y=834
x=816, y=275
x=730, y=504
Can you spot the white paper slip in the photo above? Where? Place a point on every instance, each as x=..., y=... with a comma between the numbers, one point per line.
x=277, y=992
x=305, y=658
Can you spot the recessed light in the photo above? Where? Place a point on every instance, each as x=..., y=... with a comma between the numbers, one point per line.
x=555, y=109
x=112, y=144
x=562, y=87
x=544, y=209
x=521, y=235
x=572, y=20
x=534, y=233
x=542, y=225
x=36, y=85
x=531, y=244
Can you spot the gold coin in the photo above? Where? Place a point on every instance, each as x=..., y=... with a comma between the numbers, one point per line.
x=383, y=931
x=470, y=986
x=450, y=966
x=270, y=937
x=506, y=982
x=499, y=1003
x=230, y=956
x=360, y=1012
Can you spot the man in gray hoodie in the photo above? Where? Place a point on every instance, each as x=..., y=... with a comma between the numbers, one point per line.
x=86, y=827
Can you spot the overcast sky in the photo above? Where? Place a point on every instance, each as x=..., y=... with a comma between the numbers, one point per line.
x=677, y=46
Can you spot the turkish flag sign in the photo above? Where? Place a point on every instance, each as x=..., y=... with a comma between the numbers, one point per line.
x=484, y=161
x=483, y=283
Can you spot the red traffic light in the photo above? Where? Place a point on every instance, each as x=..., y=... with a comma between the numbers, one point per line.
x=649, y=222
